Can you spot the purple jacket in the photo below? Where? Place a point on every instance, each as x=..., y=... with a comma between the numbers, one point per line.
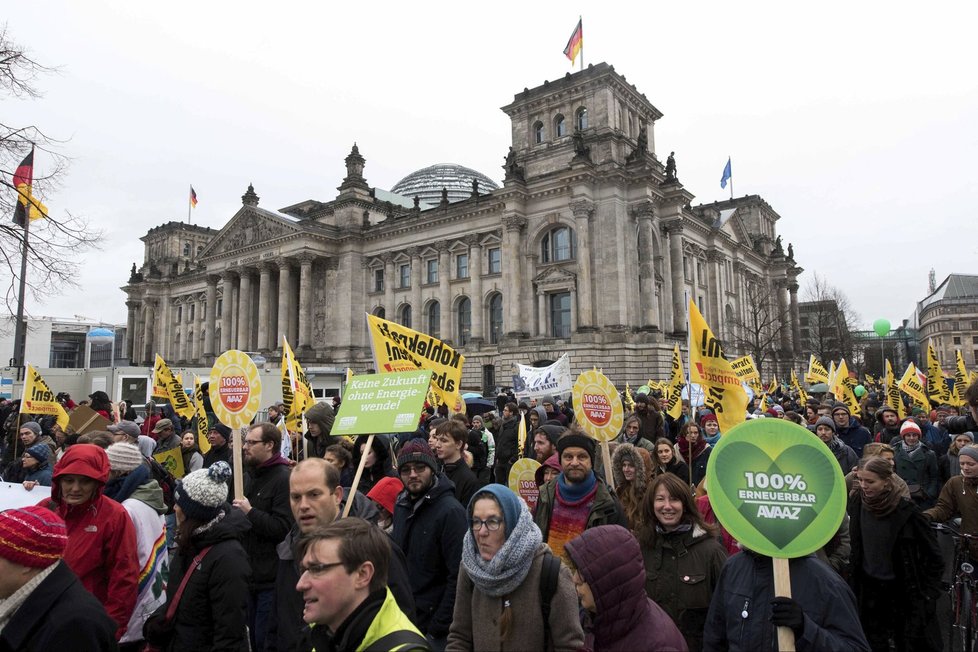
x=609, y=559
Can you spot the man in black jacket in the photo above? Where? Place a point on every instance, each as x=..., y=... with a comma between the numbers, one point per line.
x=45, y=607
x=507, y=444
x=317, y=500
x=450, y=441
x=266, y=504
x=429, y=526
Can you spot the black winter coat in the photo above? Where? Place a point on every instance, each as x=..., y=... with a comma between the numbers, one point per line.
x=213, y=613
x=507, y=448
x=465, y=481
x=59, y=615
x=430, y=532
x=267, y=488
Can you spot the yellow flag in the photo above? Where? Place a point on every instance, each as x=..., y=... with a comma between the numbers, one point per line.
x=937, y=390
x=201, y=413
x=296, y=393
x=522, y=436
x=765, y=403
x=802, y=396
x=746, y=370
x=629, y=400
x=172, y=388
x=842, y=390
x=39, y=399
x=773, y=387
x=722, y=390
x=674, y=391
x=960, y=380
x=398, y=348
x=816, y=371
x=172, y=461
x=910, y=383
x=893, y=398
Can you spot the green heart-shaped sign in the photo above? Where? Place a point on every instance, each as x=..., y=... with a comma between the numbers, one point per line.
x=776, y=488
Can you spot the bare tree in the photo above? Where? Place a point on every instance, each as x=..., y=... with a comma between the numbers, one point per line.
x=758, y=333
x=55, y=242
x=827, y=319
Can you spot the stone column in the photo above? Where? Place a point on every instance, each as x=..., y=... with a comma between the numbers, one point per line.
x=541, y=313
x=714, y=292
x=475, y=274
x=210, y=319
x=784, y=315
x=512, y=273
x=244, y=310
x=130, y=329
x=305, y=302
x=795, y=319
x=583, y=211
x=284, y=302
x=444, y=292
x=417, y=323
x=149, y=323
x=650, y=308
x=678, y=279
x=264, y=307
x=389, y=287
x=227, y=311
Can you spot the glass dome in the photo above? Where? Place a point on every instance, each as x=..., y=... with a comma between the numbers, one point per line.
x=427, y=183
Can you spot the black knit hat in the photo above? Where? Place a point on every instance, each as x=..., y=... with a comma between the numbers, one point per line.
x=575, y=440
x=417, y=450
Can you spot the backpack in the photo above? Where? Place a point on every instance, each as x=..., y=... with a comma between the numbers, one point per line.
x=549, y=575
x=166, y=481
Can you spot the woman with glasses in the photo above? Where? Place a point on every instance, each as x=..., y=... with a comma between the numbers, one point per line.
x=498, y=604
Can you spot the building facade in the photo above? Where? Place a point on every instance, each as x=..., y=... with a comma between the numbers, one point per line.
x=948, y=319
x=591, y=245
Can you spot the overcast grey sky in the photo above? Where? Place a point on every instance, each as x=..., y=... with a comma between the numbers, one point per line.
x=856, y=121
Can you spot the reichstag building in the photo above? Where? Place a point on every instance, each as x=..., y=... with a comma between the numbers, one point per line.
x=590, y=245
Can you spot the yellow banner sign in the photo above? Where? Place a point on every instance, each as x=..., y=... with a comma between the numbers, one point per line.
x=960, y=380
x=674, y=392
x=746, y=370
x=172, y=461
x=172, y=388
x=201, y=413
x=398, y=348
x=842, y=389
x=912, y=385
x=722, y=389
x=937, y=390
x=39, y=399
x=802, y=396
x=296, y=392
x=816, y=371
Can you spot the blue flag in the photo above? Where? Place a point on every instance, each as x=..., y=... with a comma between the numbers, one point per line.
x=726, y=174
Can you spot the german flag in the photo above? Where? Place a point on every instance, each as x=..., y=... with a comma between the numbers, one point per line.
x=193, y=197
x=23, y=180
x=575, y=42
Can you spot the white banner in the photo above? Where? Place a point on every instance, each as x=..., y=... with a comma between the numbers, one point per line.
x=540, y=381
x=14, y=495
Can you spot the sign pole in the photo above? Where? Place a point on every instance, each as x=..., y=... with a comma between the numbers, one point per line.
x=606, y=455
x=356, y=477
x=782, y=588
x=237, y=461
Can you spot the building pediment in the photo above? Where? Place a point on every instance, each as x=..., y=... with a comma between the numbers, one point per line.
x=250, y=227
x=555, y=277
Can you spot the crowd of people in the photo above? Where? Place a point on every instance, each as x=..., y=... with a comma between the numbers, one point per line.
x=429, y=549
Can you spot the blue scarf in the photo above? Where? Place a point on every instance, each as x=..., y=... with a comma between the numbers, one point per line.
x=118, y=489
x=572, y=493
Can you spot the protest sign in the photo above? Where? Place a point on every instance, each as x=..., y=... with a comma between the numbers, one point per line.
x=779, y=491
x=674, y=391
x=523, y=482
x=84, y=419
x=13, y=494
x=746, y=370
x=597, y=407
x=397, y=348
x=39, y=399
x=172, y=461
x=378, y=403
x=541, y=381
x=816, y=371
x=912, y=386
x=171, y=387
x=201, y=413
x=296, y=394
x=235, y=393
x=725, y=394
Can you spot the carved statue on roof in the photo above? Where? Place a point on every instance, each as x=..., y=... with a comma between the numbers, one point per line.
x=512, y=168
x=671, y=168
x=791, y=252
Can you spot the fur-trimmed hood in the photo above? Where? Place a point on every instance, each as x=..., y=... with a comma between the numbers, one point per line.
x=628, y=452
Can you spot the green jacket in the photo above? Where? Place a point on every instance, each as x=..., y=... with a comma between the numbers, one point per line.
x=605, y=509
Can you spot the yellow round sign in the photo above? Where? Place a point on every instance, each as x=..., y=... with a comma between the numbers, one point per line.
x=523, y=481
x=598, y=405
x=235, y=389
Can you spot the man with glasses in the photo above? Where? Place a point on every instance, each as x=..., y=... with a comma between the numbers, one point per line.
x=266, y=504
x=344, y=590
x=429, y=526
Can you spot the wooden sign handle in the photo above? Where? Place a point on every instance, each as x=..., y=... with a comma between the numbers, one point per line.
x=237, y=460
x=356, y=478
x=782, y=588
x=606, y=455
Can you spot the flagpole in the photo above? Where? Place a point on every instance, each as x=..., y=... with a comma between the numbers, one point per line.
x=731, y=181
x=190, y=203
x=20, y=328
x=580, y=19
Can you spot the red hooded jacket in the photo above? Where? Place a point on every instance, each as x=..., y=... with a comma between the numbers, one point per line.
x=101, y=546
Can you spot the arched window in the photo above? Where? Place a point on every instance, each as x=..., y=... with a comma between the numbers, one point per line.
x=558, y=245
x=581, y=119
x=538, y=133
x=434, y=319
x=186, y=248
x=405, y=316
x=495, y=318
x=464, y=320
x=560, y=127
x=380, y=312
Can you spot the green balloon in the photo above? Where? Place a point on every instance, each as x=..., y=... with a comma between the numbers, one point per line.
x=859, y=391
x=882, y=327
